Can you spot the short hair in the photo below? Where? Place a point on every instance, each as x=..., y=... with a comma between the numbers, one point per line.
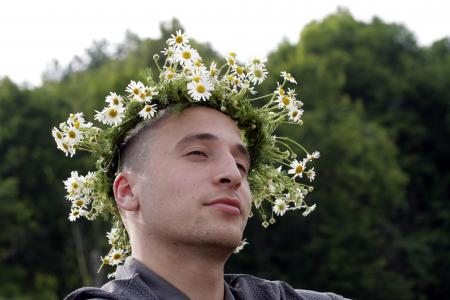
x=134, y=148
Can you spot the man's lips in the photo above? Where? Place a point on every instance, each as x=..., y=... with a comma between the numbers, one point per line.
x=228, y=205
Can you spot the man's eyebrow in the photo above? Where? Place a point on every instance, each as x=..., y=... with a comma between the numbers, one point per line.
x=196, y=137
x=210, y=137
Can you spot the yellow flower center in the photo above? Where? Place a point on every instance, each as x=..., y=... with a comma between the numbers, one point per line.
x=212, y=72
x=170, y=75
x=117, y=256
x=256, y=61
x=65, y=146
x=143, y=95
x=72, y=134
x=231, y=61
x=197, y=79
x=201, y=88
x=240, y=70
x=232, y=54
x=79, y=202
x=75, y=185
x=76, y=213
x=136, y=91
x=286, y=100
x=258, y=73
x=76, y=124
x=148, y=108
x=105, y=261
x=299, y=169
x=179, y=39
x=198, y=63
x=116, y=101
x=58, y=135
x=186, y=55
x=281, y=91
x=294, y=113
x=113, y=113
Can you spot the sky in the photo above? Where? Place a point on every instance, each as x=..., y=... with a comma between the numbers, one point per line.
x=33, y=33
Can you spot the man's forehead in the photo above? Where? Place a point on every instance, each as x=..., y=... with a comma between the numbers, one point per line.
x=207, y=136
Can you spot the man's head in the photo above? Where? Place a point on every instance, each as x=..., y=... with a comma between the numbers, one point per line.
x=164, y=192
x=188, y=183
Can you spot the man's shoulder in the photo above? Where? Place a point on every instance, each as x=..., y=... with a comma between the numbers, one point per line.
x=118, y=289
x=250, y=287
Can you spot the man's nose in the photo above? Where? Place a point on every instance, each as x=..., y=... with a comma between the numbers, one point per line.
x=227, y=172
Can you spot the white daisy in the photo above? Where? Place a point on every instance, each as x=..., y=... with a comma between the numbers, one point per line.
x=288, y=77
x=170, y=54
x=169, y=74
x=186, y=55
x=117, y=256
x=291, y=93
x=239, y=71
x=198, y=64
x=308, y=210
x=314, y=155
x=279, y=91
x=150, y=91
x=135, y=88
x=285, y=101
x=213, y=72
x=67, y=148
x=295, y=114
x=143, y=97
x=105, y=260
x=257, y=61
x=114, y=100
x=178, y=40
x=111, y=115
x=77, y=121
x=297, y=168
x=72, y=135
x=198, y=75
x=231, y=58
x=113, y=235
x=80, y=203
x=200, y=91
x=74, y=183
x=75, y=213
x=280, y=207
x=57, y=135
x=257, y=74
x=311, y=174
x=148, y=111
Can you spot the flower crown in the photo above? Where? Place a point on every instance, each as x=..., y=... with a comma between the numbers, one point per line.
x=185, y=81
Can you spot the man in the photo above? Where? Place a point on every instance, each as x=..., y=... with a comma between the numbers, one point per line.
x=180, y=180
x=185, y=204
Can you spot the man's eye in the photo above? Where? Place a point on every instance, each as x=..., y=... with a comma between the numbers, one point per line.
x=242, y=168
x=197, y=153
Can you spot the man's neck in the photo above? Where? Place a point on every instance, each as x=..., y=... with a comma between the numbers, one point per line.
x=198, y=273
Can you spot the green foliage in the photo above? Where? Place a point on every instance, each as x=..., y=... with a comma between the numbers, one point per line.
x=377, y=107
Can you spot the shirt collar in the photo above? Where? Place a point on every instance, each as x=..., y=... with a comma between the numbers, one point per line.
x=159, y=286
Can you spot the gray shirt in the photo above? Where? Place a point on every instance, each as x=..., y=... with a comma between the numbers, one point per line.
x=135, y=281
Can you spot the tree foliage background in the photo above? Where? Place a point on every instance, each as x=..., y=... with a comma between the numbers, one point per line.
x=378, y=109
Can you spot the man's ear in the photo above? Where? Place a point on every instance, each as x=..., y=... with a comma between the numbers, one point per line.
x=123, y=192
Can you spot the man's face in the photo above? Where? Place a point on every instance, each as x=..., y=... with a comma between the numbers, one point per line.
x=193, y=188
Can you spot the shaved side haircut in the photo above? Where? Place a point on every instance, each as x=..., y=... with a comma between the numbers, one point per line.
x=135, y=148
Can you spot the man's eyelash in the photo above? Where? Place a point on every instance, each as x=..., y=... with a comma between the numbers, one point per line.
x=197, y=152
x=240, y=166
